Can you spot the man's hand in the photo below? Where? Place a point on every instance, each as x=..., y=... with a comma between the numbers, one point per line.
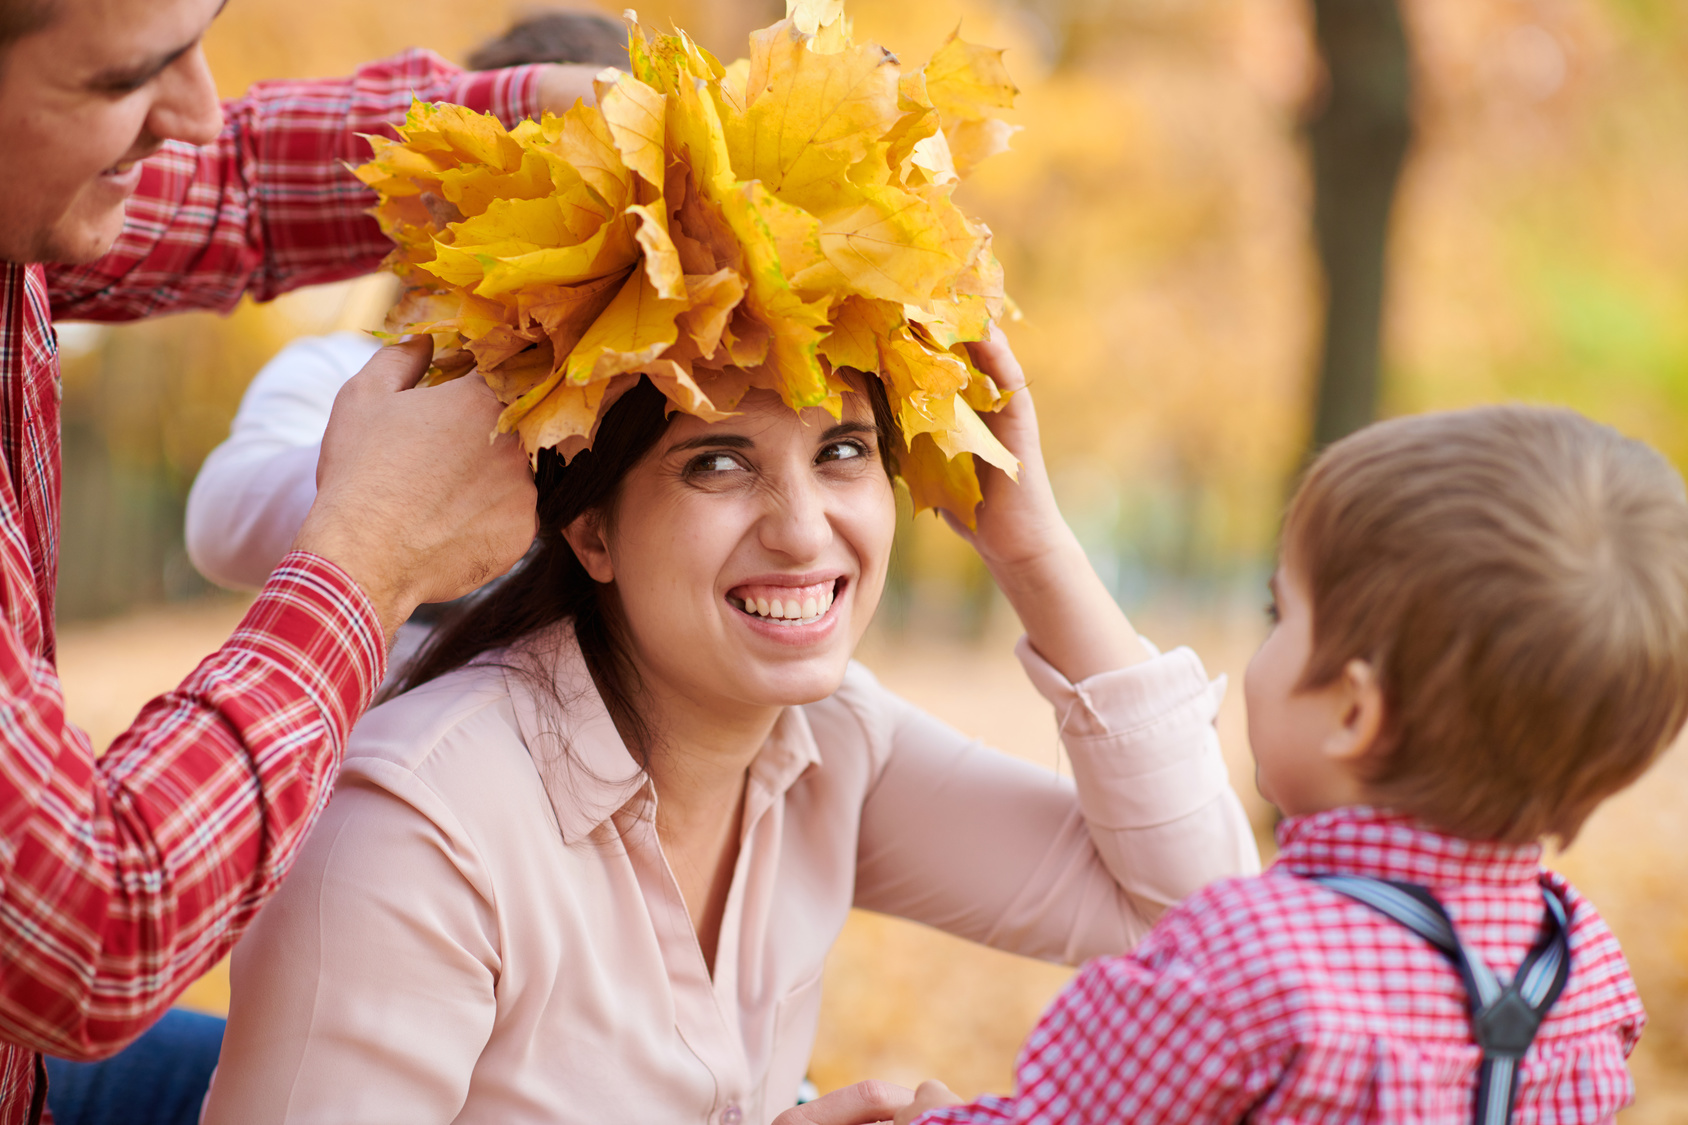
x=931, y=1095
x=412, y=500
x=865, y=1103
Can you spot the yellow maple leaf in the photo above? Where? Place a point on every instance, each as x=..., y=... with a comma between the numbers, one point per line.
x=636, y=116
x=882, y=242
x=968, y=82
x=813, y=115
x=770, y=223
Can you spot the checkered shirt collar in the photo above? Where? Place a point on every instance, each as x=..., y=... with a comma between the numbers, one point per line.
x=1389, y=845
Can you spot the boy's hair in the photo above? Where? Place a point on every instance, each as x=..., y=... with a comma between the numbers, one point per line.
x=1518, y=578
x=558, y=36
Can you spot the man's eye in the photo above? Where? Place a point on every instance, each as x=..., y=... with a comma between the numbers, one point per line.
x=842, y=451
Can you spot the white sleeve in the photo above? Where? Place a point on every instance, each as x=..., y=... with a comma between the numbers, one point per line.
x=254, y=490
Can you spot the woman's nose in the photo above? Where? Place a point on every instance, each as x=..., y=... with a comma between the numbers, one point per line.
x=796, y=524
x=187, y=108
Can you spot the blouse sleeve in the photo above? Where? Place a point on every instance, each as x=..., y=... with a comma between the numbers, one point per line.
x=382, y=891
x=1002, y=852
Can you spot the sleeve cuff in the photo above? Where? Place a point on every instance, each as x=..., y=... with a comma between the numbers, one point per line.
x=315, y=623
x=510, y=94
x=1141, y=739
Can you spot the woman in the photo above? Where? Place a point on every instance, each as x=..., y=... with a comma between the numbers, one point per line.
x=588, y=869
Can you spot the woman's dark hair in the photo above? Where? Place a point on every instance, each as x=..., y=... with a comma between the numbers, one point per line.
x=550, y=585
x=555, y=37
x=19, y=18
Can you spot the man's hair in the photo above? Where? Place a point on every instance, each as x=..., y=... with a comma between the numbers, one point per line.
x=1518, y=579
x=552, y=37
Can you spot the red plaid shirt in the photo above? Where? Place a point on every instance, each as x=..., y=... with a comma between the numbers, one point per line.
x=123, y=880
x=1273, y=999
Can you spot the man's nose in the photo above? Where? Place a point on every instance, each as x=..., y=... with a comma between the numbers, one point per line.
x=187, y=108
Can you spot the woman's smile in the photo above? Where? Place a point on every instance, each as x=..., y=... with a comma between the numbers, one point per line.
x=795, y=610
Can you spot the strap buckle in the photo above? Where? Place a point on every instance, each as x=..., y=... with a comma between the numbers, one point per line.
x=1504, y=1017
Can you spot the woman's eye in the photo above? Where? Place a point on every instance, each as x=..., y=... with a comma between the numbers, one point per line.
x=713, y=463
x=1272, y=611
x=842, y=451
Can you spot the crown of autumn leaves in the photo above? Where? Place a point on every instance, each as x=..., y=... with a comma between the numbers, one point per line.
x=715, y=228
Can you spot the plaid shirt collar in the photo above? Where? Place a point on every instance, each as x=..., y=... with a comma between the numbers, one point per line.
x=1381, y=844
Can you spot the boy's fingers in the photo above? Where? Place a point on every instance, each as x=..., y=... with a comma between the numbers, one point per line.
x=865, y=1103
x=931, y=1095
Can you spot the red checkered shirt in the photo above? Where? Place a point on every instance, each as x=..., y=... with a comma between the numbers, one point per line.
x=1275, y=1000
x=123, y=880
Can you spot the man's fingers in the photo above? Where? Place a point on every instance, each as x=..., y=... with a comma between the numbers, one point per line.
x=865, y=1103
x=399, y=367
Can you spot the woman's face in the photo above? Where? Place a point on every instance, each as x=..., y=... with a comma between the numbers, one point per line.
x=748, y=555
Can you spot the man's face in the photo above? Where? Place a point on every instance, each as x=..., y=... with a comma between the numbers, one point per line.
x=82, y=100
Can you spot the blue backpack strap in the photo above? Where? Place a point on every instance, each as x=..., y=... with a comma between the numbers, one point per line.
x=1504, y=1017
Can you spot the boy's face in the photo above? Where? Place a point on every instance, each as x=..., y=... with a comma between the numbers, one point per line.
x=1305, y=740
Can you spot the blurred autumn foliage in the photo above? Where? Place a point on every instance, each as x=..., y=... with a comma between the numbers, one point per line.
x=1154, y=223
x=1153, y=220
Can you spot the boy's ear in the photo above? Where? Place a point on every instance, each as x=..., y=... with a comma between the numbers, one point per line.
x=1359, y=700
x=586, y=535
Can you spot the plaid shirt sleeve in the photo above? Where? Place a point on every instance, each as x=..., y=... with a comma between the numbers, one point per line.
x=123, y=880
x=1148, y=1038
x=270, y=205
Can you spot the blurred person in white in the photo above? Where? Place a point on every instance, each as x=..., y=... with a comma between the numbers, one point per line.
x=253, y=491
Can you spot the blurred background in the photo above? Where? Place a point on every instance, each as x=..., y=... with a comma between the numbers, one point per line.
x=1238, y=229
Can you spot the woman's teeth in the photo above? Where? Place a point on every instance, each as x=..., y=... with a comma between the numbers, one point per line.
x=806, y=607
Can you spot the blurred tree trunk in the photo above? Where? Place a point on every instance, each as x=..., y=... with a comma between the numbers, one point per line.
x=1359, y=138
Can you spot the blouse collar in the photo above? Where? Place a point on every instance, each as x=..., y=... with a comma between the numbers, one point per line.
x=589, y=773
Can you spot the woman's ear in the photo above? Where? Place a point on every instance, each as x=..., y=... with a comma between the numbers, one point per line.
x=586, y=535
x=1359, y=725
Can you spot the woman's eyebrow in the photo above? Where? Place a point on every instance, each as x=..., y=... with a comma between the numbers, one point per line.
x=845, y=429
x=729, y=441
x=739, y=441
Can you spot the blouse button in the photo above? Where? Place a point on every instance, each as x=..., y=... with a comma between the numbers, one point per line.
x=732, y=1115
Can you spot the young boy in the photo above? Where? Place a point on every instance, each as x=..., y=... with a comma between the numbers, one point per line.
x=1480, y=632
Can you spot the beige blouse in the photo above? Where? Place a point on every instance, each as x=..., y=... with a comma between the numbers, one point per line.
x=483, y=927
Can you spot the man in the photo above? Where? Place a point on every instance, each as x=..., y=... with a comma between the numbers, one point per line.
x=122, y=880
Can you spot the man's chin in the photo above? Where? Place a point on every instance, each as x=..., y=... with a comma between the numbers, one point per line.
x=71, y=243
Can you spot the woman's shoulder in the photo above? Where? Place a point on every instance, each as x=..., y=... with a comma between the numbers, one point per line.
x=452, y=737
x=406, y=728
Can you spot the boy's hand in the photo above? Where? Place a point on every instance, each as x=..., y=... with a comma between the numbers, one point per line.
x=931, y=1095
x=563, y=84
x=865, y=1103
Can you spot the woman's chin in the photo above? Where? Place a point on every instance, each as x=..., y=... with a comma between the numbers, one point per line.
x=793, y=683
